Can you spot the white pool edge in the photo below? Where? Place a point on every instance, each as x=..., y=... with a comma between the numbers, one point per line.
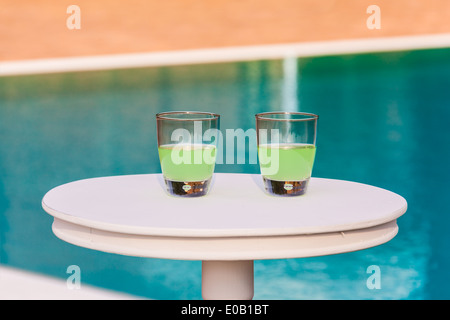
x=227, y=54
x=18, y=284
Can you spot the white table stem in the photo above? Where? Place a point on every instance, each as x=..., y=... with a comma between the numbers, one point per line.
x=227, y=280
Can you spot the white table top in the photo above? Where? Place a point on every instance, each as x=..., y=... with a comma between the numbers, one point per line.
x=236, y=206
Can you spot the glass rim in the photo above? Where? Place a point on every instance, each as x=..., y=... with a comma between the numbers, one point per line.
x=167, y=115
x=266, y=116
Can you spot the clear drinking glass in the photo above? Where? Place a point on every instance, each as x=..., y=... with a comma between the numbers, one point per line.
x=187, y=146
x=286, y=150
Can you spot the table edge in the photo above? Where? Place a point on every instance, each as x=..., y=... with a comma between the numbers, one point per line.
x=225, y=249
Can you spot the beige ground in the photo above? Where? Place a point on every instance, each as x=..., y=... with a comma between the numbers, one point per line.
x=37, y=29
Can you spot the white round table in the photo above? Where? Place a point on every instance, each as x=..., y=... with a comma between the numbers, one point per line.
x=235, y=224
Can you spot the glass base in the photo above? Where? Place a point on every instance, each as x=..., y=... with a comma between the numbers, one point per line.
x=188, y=189
x=285, y=188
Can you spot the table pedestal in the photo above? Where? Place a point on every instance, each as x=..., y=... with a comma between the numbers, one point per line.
x=227, y=280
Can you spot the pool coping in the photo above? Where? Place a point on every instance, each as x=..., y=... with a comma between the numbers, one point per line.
x=227, y=54
x=16, y=283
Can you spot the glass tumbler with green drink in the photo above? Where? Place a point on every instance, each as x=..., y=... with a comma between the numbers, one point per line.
x=286, y=150
x=187, y=146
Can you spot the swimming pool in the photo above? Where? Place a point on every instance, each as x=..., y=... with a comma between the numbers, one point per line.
x=384, y=120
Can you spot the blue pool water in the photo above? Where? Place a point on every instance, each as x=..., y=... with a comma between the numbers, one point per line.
x=384, y=121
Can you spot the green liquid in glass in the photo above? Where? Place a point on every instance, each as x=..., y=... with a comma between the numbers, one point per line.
x=286, y=162
x=187, y=162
